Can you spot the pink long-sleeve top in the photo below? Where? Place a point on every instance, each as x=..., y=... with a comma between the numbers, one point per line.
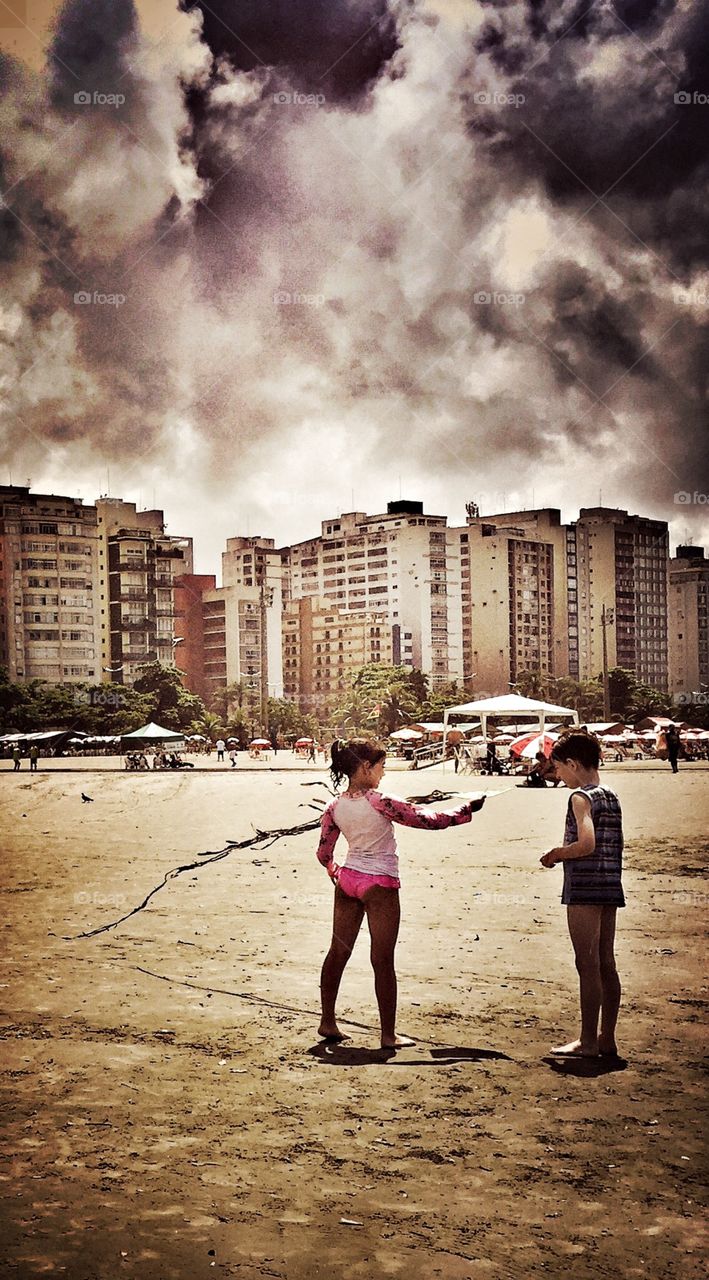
x=366, y=821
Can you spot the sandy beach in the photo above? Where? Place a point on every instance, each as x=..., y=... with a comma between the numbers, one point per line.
x=170, y=1112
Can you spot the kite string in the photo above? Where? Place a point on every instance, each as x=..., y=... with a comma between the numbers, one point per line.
x=203, y=860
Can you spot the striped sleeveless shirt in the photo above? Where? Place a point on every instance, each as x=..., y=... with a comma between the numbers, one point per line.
x=596, y=880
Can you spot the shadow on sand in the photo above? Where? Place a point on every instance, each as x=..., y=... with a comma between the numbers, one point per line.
x=586, y=1068
x=348, y=1055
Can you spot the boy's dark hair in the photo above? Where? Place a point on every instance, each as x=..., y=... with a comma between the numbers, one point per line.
x=578, y=744
x=348, y=756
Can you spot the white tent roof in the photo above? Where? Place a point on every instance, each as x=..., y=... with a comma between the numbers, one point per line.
x=152, y=733
x=509, y=704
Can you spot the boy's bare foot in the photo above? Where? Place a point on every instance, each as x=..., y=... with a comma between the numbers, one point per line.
x=608, y=1049
x=399, y=1042
x=330, y=1031
x=575, y=1049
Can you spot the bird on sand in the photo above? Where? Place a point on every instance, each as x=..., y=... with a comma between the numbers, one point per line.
x=86, y=799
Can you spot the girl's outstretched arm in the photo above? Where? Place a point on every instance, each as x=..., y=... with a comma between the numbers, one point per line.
x=411, y=816
x=329, y=831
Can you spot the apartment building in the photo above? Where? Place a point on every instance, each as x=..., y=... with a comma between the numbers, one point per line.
x=49, y=580
x=688, y=625
x=404, y=565
x=139, y=564
x=508, y=601
x=190, y=589
x=620, y=562
x=241, y=622
x=323, y=648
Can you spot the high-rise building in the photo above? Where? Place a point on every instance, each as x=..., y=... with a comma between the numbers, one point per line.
x=139, y=563
x=49, y=597
x=323, y=647
x=402, y=564
x=190, y=589
x=619, y=562
x=688, y=609
x=509, y=569
x=241, y=623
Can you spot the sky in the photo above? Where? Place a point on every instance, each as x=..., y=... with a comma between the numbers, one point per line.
x=265, y=261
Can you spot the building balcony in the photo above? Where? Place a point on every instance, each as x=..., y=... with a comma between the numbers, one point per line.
x=135, y=624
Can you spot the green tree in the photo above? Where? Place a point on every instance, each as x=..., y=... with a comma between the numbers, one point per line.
x=173, y=706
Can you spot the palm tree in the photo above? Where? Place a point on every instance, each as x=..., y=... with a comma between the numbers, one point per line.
x=210, y=725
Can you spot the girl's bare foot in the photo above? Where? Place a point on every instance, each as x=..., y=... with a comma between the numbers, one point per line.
x=330, y=1031
x=575, y=1049
x=399, y=1042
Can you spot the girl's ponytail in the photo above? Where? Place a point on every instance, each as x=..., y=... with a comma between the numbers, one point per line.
x=346, y=757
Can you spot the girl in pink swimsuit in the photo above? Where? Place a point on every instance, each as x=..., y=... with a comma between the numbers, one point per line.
x=368, y=882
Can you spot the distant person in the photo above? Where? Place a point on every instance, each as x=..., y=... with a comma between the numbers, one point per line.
x=368, y=883
x=34, y=757
x=221, y=747
x=233, y=757
x=311, y=752
x=592, y=856
x=672, y=740
x=535, y=777
x=17, y=757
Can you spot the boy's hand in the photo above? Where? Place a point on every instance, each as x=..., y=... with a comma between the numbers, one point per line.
x=549, y=859
x=333, y=871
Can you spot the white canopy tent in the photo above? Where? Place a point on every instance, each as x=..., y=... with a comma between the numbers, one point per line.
x=150, y=734
x=509, y=706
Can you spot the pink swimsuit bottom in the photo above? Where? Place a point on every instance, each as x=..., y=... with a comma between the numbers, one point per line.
x=356, y=883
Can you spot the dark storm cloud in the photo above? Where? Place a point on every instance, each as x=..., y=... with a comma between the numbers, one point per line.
x=336, y=47
x=584, y=133
x=389, y=273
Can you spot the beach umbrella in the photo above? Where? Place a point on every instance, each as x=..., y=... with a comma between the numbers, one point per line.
x=406, y=735
x=304, y=742
x=529, y=744
x=260, y=742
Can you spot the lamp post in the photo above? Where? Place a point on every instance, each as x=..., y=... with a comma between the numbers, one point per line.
x=607, y=619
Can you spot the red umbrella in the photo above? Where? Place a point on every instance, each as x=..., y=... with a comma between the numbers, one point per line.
x=530, y=743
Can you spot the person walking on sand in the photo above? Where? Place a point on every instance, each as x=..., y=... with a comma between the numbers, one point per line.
x=672, y=740
x=34, y=757
x=368, y=881
x=592, y=856
x=17, y=757
x=221, y=746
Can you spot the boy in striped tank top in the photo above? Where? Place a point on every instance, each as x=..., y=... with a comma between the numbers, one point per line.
x=592, y=855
